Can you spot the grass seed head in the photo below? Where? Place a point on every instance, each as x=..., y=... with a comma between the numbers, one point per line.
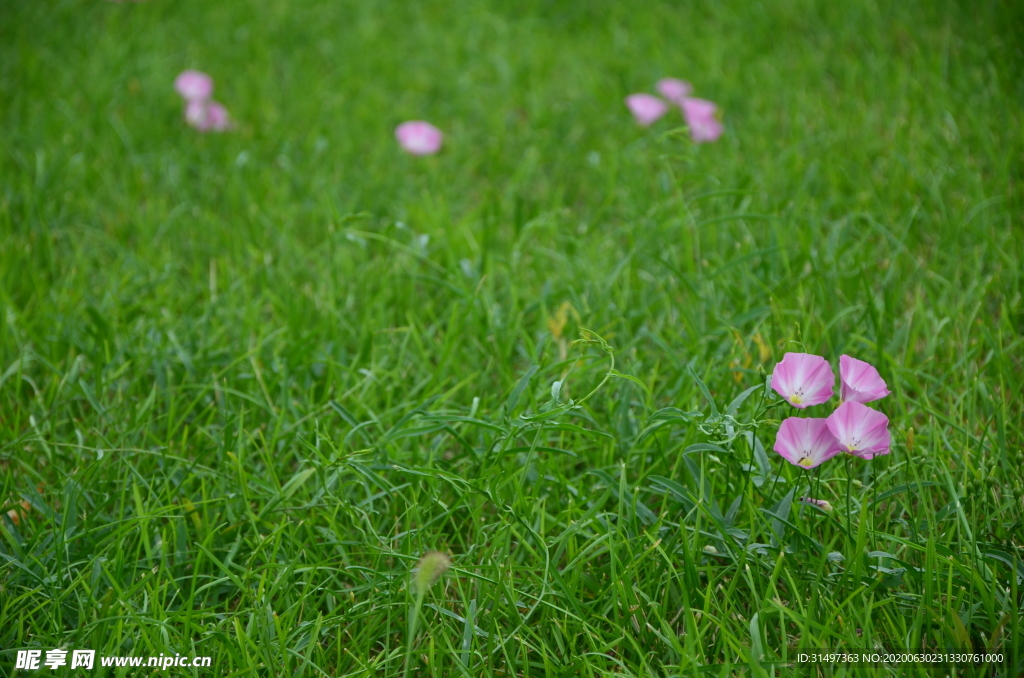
x=431, y=567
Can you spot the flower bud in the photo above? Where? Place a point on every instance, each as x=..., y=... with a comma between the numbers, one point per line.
x=820, y=503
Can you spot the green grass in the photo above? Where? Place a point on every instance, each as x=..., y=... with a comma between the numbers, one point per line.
x=247, y=380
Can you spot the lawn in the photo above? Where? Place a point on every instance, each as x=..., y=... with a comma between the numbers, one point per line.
x=248, y=379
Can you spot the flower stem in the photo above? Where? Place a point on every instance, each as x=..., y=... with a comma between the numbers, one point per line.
x=413, y=621
x=849, y=494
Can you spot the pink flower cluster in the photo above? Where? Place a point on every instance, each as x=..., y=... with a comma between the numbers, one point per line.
x=805, y=380
x=699, y=113
x=201, y=112
x=206, y=115
x=418, y=137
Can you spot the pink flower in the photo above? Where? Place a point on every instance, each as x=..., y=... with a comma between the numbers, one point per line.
x=674, y=89
x=419, y=138
x=803, y=379
x=700, y=118
x=860, y=381
x=195, y=114
x=194, y=86
x=806, y=442
x=217, y=116
x=646, y=108
x=860, y=430
x=820, y=503
x=207, y=115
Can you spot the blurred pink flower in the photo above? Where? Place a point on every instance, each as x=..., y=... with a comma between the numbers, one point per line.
x=860, y=381
x=700, y=118
x=860, y=430
x=806, y=442
x=194, y=85
x=419, y=138
x=803, y=379
x=217, y=116
x=674, y=89
x=646, y=108
x=195, y=113
x=207, y=115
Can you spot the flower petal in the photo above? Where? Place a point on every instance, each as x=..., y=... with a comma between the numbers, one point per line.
x=806, y=442
x=803, y=379
x=646, y=108
x=207, y=115
x=700, y=118
x=195, y=114
x=218, y=117
x=419, y=138
x=860, y=381
x=696, y=109
x=674, y=89
x=860, y=430
x=194, y=85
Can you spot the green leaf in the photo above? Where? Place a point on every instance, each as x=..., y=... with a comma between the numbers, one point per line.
x=734, y=406
x=704, y=389
x=524, y=381
x=449, y=418
x=296, y=481
x=1014, y=564
x=760, y=457
x=704, y=447
x=676, y=491
x=903, y=488
x=620, y=375
x=573, y=428
x=756, y=650
x=539, y=448
x=781, y=514
x=673, y=413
